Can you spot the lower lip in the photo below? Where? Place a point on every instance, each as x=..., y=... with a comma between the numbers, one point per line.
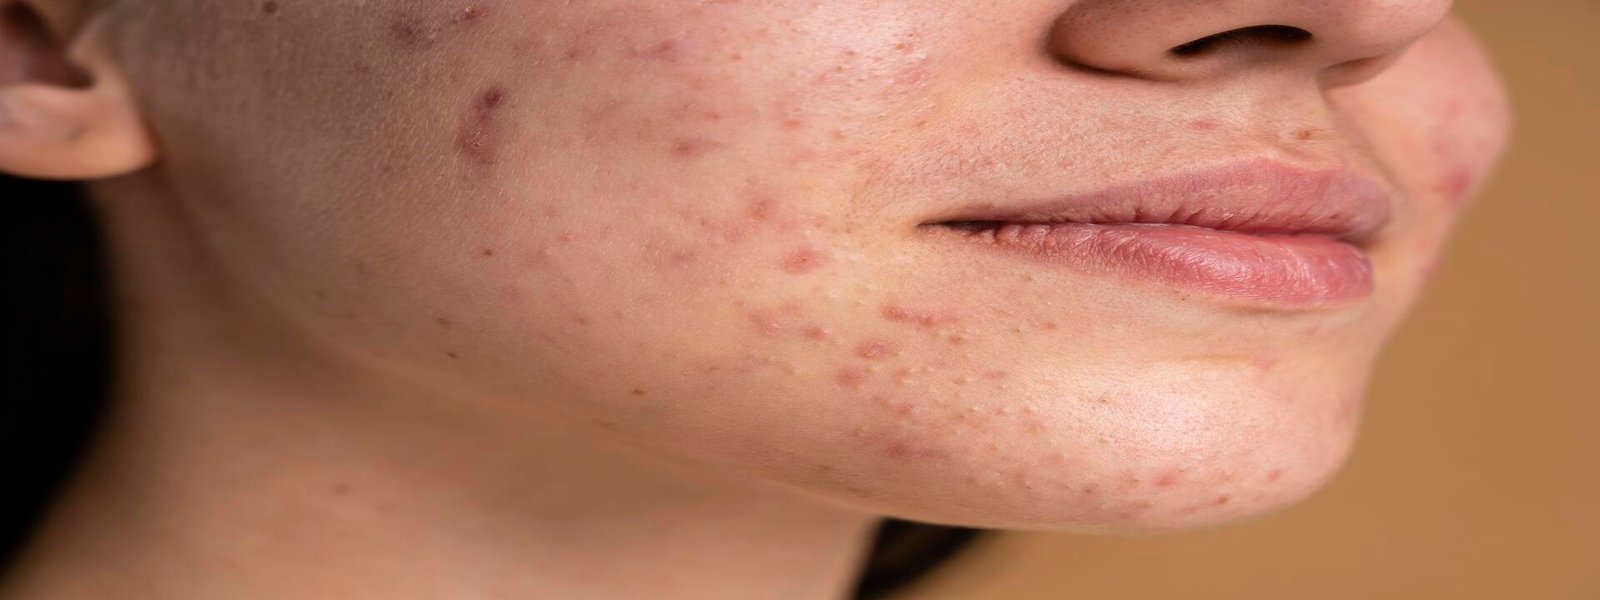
x=1264, y=269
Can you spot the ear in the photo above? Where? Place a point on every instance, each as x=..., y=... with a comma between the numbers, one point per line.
x=66, y=111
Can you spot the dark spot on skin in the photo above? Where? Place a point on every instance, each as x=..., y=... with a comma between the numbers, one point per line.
x=486, y=252
x=1304, y=134
x=341, y=489
x=873, y=350
x=452, y=355
x=803, y=260
x=476, y=141
x=581, y=320
x=1090, y=489
x=1221, y=500
x=637, y=392
x=444, y=322
x=270, y=7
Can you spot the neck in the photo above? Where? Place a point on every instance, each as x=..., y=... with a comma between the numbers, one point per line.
x=228, y=471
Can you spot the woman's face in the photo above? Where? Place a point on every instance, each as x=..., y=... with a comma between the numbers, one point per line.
x=725, y=232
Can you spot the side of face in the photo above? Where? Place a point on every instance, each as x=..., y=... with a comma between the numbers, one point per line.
x=693, y=229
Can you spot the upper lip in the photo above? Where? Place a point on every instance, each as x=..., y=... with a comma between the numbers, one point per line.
x=1261, y=196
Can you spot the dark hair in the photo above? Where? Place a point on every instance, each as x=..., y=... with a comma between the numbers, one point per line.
x=58, y=366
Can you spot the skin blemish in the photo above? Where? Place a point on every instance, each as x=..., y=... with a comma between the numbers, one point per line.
x=637, y=392
x=444, y=322
x=761, y=209
x=486, y=252
x=774, y=321
x=1205, y=125
x=341, y=489
x=476, y=141
x=412, y=34
x=803, y=260
x=874, y=350
x=851, y=377
x=670, y=51
x=1221, y=500
x=925, y=319
x=270, y=7
x=470, y=14
x=1454, y=186
x=452, y=355
x=1274, y=475
x=817, y=333
x=1169, y=478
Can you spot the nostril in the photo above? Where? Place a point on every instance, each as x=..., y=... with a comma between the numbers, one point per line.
x=1270, y=35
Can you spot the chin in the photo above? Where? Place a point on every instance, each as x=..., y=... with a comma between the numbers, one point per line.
x=1167, y=447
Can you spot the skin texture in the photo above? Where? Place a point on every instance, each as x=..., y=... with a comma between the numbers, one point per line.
x=399, y=261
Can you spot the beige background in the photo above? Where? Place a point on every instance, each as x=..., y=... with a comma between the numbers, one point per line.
x=1478, y=471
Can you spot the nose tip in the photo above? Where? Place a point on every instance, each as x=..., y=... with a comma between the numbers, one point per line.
x=1338, y=41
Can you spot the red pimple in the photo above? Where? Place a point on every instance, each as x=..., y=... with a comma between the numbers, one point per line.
x=874, y=350
x=803, y=260
x=1205, y=124
x=817, y=333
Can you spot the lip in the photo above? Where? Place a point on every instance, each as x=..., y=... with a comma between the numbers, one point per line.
x=1259, y=232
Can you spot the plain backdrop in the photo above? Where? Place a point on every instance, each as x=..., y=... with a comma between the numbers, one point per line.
x=1477, y=475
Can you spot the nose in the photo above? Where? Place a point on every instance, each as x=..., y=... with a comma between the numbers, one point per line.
x=1338, y=41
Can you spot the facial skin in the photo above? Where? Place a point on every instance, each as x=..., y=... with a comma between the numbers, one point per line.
x=691, y=230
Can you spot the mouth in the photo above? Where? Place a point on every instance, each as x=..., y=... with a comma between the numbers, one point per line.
x=1258, y=232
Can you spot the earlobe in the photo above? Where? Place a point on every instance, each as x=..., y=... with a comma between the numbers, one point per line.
x=52, y=129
